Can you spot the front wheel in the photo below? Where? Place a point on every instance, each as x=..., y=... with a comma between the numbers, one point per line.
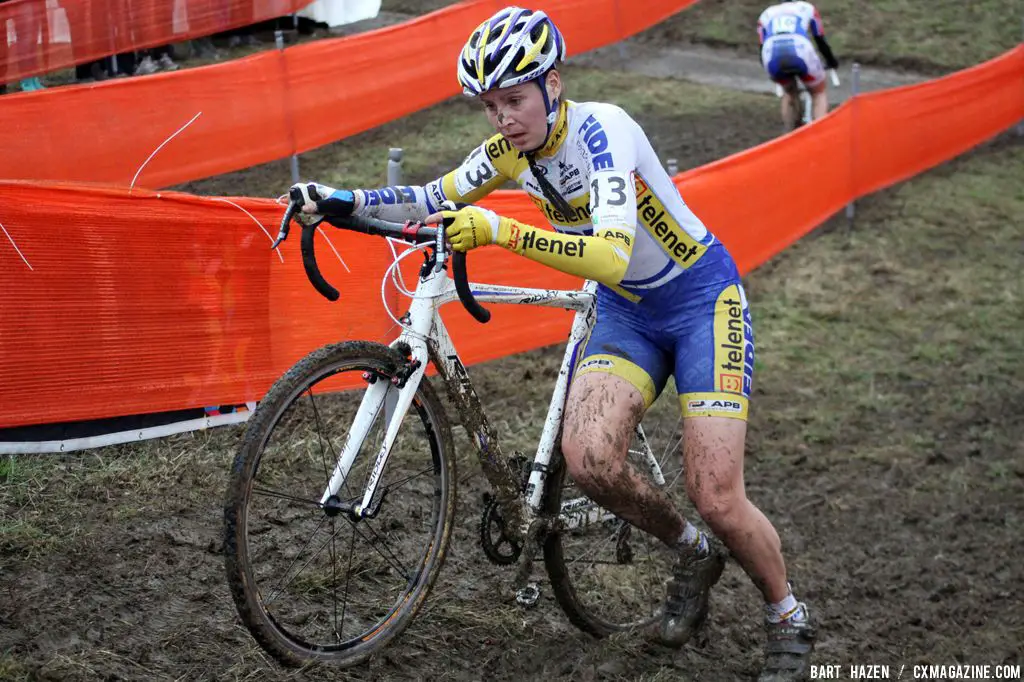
x=320, y=582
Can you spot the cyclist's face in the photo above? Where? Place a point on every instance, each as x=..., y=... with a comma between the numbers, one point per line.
x=518, y=113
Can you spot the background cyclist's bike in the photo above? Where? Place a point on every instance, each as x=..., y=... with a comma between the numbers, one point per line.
x=341, y=502
x=802, y=104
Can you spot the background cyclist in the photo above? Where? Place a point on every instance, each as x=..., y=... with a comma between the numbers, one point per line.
x=786, y=31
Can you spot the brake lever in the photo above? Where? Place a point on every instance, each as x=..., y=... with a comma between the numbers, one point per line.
x=285, y=224
x=294, y=205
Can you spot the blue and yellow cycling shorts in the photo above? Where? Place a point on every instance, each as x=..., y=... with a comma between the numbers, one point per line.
x=696, y=327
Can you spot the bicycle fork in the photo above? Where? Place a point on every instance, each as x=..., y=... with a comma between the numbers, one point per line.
x=395, y=397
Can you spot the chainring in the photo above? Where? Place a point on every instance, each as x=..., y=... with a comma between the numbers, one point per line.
x=497, y=545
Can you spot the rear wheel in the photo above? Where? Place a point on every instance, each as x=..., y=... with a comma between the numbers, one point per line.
x=607, y=575
x=317, y=581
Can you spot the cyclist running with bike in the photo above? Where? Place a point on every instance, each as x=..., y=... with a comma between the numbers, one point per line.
x=669, y=302
x=785, y=32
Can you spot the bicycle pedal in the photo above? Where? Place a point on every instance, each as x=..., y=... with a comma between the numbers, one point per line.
x=528, y=595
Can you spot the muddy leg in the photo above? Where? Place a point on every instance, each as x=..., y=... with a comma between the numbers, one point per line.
x=713, y=449
x=601, y=415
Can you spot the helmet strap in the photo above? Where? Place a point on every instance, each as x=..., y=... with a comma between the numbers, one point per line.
x=550, y=106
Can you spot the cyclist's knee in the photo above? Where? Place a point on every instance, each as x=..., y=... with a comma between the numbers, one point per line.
x=589, y=461
x=714, y=469
x=718, y=508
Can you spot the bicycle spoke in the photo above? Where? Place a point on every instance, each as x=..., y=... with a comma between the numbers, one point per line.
x=319, y=435
x=282, y=496
x=671, y=447
x=399, y=568
x=298, y=554
x=348, y=577
x=403, y=481
x=280, y=536
x=594, y=550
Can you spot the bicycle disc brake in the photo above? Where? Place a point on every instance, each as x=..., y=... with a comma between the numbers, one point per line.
x=498, y=545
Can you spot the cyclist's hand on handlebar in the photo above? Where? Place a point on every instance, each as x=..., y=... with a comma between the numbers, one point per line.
x=471, y=227
x=317, y=199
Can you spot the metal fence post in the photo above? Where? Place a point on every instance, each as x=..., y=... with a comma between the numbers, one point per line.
x=1020, y=123
x=618, y=27
x=854, y=91
x=279, y=43
x=394, y=166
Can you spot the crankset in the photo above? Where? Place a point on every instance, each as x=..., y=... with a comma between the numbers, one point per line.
x=498, y=544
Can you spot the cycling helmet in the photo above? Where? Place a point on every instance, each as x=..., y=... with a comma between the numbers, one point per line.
x=514, y=46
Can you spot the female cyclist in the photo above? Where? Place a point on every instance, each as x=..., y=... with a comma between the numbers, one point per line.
x=670, y=302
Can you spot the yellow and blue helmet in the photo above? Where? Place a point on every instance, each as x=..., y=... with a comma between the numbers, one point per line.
x=514, y=46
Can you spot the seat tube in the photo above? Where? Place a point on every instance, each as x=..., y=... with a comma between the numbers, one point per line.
x=583, y=322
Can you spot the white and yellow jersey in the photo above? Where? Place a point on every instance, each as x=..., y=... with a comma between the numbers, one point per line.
x=671, y=301
x=599, y=159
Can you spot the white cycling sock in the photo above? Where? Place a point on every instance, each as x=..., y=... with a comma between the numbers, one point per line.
x=693, y=538
x=787, y=609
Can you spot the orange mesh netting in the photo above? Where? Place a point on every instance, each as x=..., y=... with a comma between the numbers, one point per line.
x=269, y=105
x=46, y=36
x=118, y=303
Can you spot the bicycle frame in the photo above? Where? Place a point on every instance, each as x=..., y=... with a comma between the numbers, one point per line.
x=428, y=340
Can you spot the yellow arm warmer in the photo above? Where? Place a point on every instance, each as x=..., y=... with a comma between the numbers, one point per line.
x=603, y=257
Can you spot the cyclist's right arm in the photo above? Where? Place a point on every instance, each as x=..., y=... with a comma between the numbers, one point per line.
x=477, y=176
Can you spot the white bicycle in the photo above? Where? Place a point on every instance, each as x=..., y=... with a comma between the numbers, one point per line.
x=341, y=501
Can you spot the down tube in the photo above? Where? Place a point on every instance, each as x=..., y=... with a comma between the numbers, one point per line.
x=505, y=483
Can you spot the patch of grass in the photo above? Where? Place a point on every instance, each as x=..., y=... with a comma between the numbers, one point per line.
x=49, y=503
x=932, y=36
x=929, y=36
x=904, y=333
x=13, y=669
x=21, y=536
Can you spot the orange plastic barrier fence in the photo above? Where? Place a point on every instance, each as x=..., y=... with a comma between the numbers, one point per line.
x=116, y=303
x=269, y=105
x=42, y=38
x=763, y=199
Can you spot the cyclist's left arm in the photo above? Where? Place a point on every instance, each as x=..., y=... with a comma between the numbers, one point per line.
x=478, y=175
x=818, y=33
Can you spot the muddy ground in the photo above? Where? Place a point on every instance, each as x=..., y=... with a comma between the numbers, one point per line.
x=901, y=510
x=902, y=526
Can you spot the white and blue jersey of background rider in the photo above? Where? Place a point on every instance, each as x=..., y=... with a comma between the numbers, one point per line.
x=787, y=32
